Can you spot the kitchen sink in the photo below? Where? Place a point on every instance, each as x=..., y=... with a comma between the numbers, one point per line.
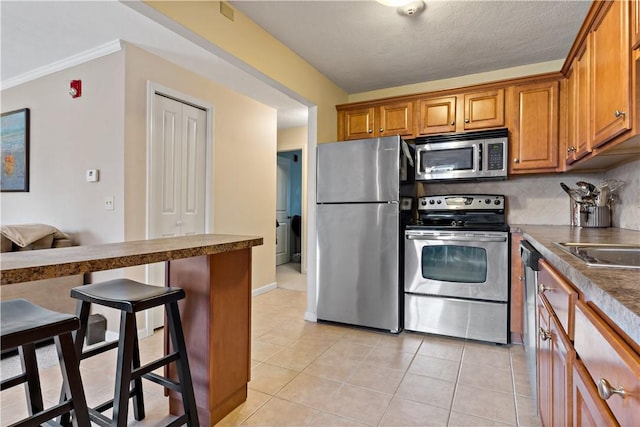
x=604, y=254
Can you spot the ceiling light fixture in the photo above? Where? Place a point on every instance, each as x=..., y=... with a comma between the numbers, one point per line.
x=405, y=7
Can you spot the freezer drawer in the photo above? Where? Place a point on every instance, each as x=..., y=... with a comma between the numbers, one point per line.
x=357, y=264
x=478, y=320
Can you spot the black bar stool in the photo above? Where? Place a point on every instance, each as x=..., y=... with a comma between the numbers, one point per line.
x=22, y=325
x=130, y=297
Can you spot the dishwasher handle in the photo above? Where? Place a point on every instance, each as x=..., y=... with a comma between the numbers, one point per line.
x=530, y=256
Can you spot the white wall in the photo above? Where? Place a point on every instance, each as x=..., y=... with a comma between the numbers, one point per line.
x=69, y=136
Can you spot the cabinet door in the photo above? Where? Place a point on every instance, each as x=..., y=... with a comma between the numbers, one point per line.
x=571, y=114
x=582, y=105
x=544, y=355
x=635, y=24
x=437, y=115
x=357, y=123
x=484, y=109
x=609, y=360
x=534, y=142
x=611, y=73
x=562, y=354
x=396, y=119
x=588, y=408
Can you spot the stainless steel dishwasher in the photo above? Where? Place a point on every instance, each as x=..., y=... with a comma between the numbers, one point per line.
x=530, y=257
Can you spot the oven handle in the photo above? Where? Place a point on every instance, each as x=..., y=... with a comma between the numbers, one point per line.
x=458, y=238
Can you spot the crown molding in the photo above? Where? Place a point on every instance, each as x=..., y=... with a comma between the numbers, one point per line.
x=71, y=61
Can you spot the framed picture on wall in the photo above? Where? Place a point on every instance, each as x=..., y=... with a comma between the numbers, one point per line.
x=14, y=150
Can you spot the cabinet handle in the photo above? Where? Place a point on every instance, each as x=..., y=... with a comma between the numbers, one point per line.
x=521, y=278
x=619, y=113
x=466, y=120
x=370, y=130
x=544, y=335
x=570, y=149
x=452, y=123
x=542, y=288
x=605, y=390
x=516, y=160
x=381, y=130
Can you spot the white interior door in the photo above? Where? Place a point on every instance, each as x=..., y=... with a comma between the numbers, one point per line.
x=283, y=251
x=177, y=177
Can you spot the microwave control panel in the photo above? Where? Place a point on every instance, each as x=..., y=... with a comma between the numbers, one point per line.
x=495, y=156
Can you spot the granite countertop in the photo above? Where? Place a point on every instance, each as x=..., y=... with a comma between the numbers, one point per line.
x=16, y=267
x=616, y=291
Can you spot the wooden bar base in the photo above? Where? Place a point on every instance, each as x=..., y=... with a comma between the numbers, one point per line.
x=216, y=317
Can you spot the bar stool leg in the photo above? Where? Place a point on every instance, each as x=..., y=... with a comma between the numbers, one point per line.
x=182, y=364
x=138, y=398
x=123, y=369
x=33, y=389
x=82, y=310
x=72, y=382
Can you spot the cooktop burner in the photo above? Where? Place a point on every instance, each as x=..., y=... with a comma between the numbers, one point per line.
x=461, y=211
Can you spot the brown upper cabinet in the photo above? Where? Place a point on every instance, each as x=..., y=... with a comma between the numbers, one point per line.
x=610, y=73
x=360, y=122
x=484, y=109
x=437, y=115
x=578, y=114
x=460, y=113
x=533, y=145
x=635, y=24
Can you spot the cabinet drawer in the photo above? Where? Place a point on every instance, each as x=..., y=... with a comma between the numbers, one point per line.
x=588, y=409
x=607, y=357
x=560, y=295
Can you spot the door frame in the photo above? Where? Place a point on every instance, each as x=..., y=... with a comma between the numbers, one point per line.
x=153, y=89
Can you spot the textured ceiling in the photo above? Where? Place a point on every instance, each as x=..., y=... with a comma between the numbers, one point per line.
x=360, y=45
x=363, y=45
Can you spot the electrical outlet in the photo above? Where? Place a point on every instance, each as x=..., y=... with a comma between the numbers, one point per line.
x=108, y=203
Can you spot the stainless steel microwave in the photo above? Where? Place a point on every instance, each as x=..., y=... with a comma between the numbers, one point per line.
x=470, y=156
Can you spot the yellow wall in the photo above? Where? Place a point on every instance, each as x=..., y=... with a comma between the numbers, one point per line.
x=468, y=80
x=244, y=145
x=248, y=42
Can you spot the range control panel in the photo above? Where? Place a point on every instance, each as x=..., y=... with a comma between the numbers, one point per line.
x=467, y=202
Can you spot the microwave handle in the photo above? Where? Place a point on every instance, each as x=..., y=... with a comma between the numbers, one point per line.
x=458, y=238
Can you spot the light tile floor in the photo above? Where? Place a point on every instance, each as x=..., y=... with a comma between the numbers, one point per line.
x=308, y=374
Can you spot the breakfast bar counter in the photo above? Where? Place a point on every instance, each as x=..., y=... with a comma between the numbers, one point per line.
x=215, y=272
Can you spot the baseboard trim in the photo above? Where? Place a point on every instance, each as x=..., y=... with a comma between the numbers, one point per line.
x=264, y=289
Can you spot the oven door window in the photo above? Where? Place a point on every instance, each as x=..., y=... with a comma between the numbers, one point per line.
x=452, y=263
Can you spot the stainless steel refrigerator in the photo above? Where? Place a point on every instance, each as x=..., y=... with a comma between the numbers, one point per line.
x=358, y=220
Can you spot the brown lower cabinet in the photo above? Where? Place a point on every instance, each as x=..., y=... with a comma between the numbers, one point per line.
x=588, y=409
x=555, y=358
x=589, y=376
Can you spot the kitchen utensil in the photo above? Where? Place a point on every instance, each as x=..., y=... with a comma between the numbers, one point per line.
x=588, y=187
x=577, y=195
x=608, y=191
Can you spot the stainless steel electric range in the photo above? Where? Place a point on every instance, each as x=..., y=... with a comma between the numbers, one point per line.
x=456, y=268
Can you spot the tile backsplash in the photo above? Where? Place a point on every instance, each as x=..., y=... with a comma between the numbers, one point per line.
x=538, y=199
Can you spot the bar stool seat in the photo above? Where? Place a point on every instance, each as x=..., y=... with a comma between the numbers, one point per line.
x=131, y=297
x=22, y=324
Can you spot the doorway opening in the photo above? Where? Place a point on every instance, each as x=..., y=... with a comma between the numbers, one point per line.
x=289, y=210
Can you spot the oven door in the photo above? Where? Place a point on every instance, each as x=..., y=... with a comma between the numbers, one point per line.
x=459, y=264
